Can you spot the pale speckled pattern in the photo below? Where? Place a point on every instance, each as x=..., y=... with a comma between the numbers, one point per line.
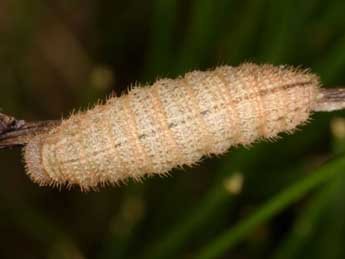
x=172, y=123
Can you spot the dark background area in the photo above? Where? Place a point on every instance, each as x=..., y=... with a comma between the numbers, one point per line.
x=60, y=56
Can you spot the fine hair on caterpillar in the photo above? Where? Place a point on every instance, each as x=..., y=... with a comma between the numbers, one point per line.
x=172, y=123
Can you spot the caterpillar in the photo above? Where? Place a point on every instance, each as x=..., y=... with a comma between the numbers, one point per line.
x=172, y=123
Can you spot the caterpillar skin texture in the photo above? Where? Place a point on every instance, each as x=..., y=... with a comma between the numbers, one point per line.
x=172, y=123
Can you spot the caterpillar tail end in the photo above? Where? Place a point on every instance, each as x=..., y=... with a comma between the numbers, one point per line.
x=330, y=99
x=33, y=163
x=19, y=133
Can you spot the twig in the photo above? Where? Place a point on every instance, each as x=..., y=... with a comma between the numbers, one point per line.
x=15, y=132
x=330, y=99
x=8, y=123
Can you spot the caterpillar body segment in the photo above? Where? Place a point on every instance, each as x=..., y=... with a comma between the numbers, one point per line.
x=172, y=123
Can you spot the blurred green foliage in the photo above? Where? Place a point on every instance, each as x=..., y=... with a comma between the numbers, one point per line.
x=274, y=200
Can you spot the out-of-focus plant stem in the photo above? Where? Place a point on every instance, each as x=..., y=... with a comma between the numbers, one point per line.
x=306, y=224
x=236, y=234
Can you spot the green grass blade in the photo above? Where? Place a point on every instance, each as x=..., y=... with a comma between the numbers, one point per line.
x=304, y=228
x=233, y=236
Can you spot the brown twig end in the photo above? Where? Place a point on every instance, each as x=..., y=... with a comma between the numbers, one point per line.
x=330, y=99
x=15, y=132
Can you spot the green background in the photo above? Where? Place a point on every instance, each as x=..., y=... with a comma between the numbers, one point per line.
x=60, y=56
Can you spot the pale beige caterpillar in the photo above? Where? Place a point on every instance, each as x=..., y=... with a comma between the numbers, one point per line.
x=172, y=123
